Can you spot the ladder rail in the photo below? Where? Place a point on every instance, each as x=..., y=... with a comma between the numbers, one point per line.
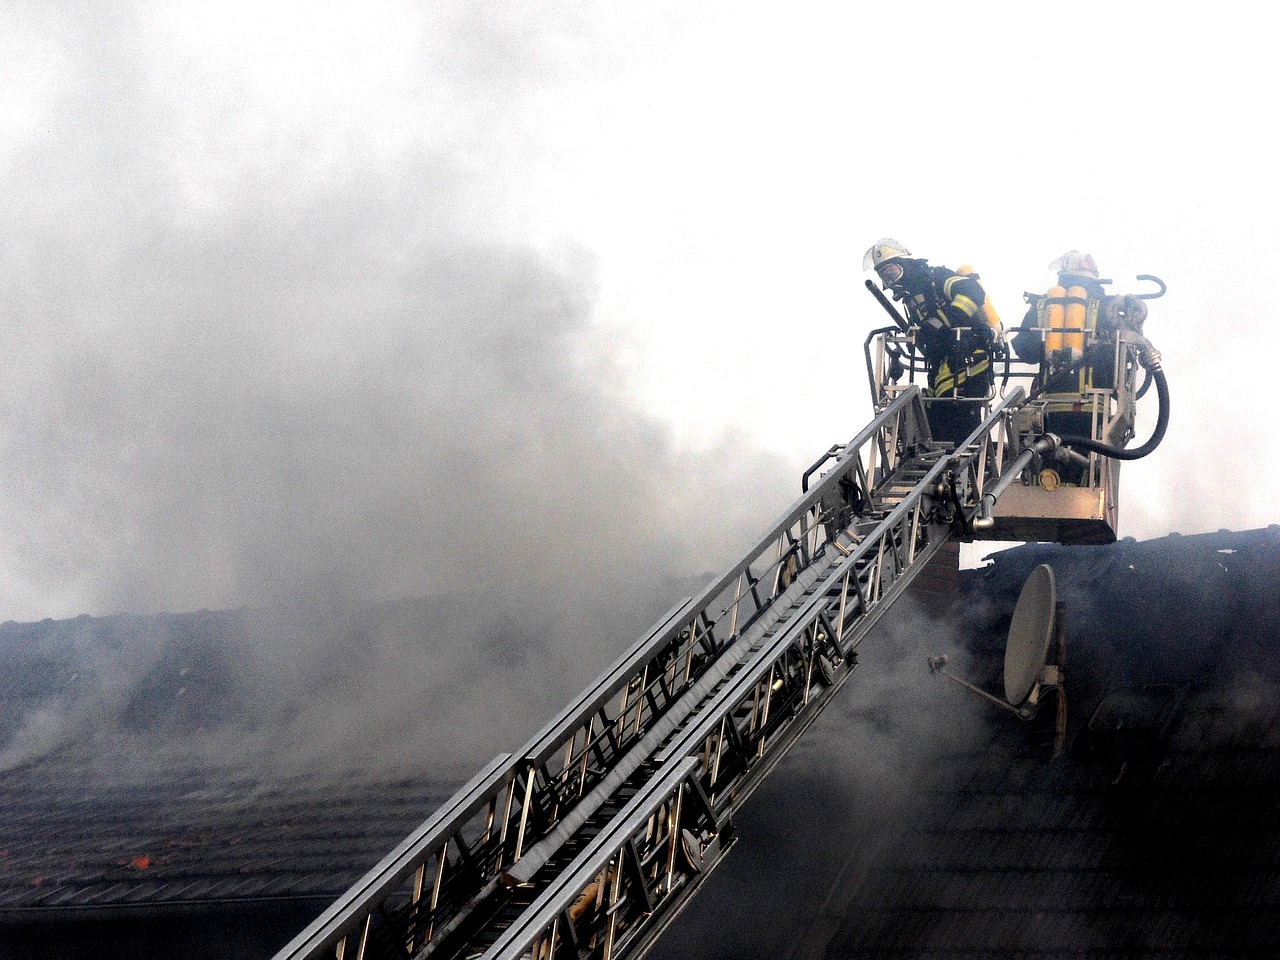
x=576, y=751
x=740, y=736
x=534, y=800
x=630, y=867
x=329, y=932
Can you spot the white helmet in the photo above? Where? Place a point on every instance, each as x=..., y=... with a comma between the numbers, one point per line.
x=1076, y=264
x=883, y=250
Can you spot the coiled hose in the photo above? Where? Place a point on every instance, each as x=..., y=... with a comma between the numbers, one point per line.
x=1151, y=360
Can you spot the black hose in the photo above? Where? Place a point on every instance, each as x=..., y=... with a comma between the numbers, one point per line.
x=888, y=307
x=1137, y=453
x=1146, y=385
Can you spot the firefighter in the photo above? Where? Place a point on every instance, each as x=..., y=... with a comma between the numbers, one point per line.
x=1073, y=305
x=945, y=310
x=1074, y=269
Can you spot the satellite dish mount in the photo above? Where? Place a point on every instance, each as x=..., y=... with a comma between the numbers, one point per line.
x=1034, y=655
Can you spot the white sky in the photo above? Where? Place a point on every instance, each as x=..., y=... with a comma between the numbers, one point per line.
x=732, y=178
x=723, y=164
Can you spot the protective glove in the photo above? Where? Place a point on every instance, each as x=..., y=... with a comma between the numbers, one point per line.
x=896, y=369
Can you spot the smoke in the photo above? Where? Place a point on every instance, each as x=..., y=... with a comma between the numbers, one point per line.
x=453, y=429
x=427, y=686
x=68, y=681
x=276, y=341
x=883, y=827
x=241, y=367
x=809, y=833
x=437, y=419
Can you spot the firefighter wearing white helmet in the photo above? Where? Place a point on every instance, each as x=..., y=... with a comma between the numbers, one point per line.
x=1078, y=280
x=1076, y=265
x=945, y=310
x=1057, y=332
x=883, y=252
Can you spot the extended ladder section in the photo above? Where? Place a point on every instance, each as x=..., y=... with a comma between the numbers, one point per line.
x=589, y=841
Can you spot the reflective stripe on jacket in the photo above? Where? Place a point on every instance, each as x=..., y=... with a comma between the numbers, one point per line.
x=975, y=372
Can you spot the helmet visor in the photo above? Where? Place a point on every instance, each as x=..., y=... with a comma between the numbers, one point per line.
x=890, y=272
x=886, y=249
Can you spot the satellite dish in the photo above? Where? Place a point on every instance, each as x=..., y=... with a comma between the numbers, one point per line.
x=1028, y=675
x=1030, y=633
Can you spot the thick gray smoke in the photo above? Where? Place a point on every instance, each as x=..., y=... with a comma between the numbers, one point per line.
x=243, y=369
x=286, y=410
x=248, y=364
x=352, y=429
x=285, y=406
x=810, y=831
x=429, y=686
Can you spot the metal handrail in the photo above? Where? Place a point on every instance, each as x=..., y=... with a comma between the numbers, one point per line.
x=349, y=912
x=536, y=798
x=592, y=864
x=768, y=702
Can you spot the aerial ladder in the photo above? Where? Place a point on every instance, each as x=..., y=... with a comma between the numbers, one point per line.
x=589, y=840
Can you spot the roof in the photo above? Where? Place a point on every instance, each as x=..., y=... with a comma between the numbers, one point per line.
x=1166, y=847
x=192, y=838
x=918, y=821
x=168, y=787
x=913, y=819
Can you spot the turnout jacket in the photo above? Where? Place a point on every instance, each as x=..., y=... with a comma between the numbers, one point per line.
x=1067, y=394
x=939, y=302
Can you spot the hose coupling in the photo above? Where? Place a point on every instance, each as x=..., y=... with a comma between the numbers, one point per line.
x=984, y=520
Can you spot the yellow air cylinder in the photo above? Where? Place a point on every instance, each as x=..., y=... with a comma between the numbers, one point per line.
x=988, y=308
x=1074, y=338
x=1057, y=320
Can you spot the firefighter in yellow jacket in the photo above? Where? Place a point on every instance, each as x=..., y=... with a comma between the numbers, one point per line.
x=945, y=309
x=1078, y=282
x=1059, y=333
